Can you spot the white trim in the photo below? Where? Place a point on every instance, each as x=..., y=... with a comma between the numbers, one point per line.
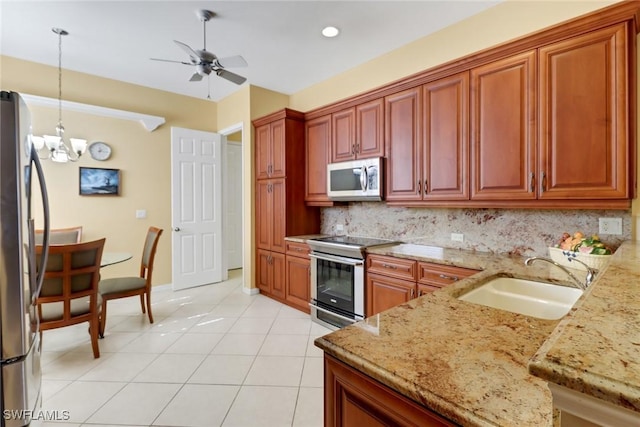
x=149, y=122
x=232, y=129
x=250, y=291
x=592, y=409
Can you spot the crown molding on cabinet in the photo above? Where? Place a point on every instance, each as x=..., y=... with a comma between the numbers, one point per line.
x=149, y=122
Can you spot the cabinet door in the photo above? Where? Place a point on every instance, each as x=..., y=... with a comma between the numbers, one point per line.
x=264, y=212
x=318, y=133
x=370, y=129
x=383, y=293
x=425, y=289
x=278, y=153
x=264, y=275
x=503, y=129
x=278, y=216
x=278, y=267
x=584, y=125
x=446, y=138
x=263, y=151
x=343, y=138
x=402, y=144
x=298, y=289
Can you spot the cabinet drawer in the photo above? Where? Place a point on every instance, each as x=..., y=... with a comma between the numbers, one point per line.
x=441, y=275
x=297, y=249
x=392, y=267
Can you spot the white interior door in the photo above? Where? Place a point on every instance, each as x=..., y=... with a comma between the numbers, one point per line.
x=234, y=205
x=196, y=199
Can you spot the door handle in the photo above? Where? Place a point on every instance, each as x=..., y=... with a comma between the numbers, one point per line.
x=176, y=228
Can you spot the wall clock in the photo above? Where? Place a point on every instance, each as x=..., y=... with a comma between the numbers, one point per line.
x=100, y=150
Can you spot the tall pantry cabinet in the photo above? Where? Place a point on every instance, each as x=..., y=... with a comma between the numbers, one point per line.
x=280, y=197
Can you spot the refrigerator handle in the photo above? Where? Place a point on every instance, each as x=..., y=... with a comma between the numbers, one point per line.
x=39, y=278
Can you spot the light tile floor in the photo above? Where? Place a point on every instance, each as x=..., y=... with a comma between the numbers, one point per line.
x=214, y=356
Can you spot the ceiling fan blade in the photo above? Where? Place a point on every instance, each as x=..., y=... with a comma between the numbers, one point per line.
x=195, y=58
x=195, y=78
x=232, y=77
x=232, y=62
x=171, y=60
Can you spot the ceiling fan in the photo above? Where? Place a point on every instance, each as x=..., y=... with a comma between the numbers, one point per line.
x=205, y=61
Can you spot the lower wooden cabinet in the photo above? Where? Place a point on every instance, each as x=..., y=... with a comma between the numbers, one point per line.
x=298, y=276
x=392, y=281
x=354, y=399
x=385, y=292
x=271, y=273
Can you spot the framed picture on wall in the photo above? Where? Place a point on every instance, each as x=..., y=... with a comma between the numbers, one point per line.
x=99, y=182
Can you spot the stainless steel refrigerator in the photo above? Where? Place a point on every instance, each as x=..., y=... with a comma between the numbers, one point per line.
x=20, y=375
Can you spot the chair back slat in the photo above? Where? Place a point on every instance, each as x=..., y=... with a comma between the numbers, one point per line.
x=149, y=252
x=72, y=273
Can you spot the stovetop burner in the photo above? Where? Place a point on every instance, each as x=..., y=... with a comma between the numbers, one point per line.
x=355, y=240
x=348, y=246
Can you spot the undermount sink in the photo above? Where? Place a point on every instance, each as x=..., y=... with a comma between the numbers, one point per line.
x=528, y=297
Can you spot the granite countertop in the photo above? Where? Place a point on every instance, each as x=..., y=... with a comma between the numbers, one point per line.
x=304, y=238
x=596, y=350
x=469, y=362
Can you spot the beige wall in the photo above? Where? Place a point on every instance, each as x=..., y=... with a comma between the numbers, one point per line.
x=143, y=157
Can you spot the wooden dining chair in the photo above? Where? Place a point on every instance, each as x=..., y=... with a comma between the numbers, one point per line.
x=123, y=287
x=61, y=236
x=69, y=293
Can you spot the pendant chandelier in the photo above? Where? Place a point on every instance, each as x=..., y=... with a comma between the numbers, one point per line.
x=56, y=148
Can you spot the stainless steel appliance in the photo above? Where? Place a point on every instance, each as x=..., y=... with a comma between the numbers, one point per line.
x=337, y=278
x=355, y=180
x=20, y=377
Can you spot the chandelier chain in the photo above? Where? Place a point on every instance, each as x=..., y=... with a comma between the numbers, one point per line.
x=60, y=78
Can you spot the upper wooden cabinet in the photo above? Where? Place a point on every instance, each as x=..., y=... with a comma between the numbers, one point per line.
x=403, y=127
x=445, y=157
x=357, y=132
x=318, y=156
x=503, y=128
x=427, y=141
x=270, y=152
x=584, y=116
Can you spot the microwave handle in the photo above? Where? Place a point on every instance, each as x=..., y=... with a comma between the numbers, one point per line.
x=364, y=179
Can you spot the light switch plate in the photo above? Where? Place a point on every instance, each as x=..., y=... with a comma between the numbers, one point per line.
x=610, y=226
x=141, y=213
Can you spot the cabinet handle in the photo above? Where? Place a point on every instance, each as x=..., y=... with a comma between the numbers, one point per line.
x=357, y=147
x=444, y=276
x=426, y=186
x=393, y=267
x=413, y=293
x=543, y=182
x=353, y=148
x=532, y=184
x=419, y=187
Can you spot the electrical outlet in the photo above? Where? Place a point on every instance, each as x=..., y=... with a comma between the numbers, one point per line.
x=457, y=237
x=141, y=213
x=610, y=226
x=339, y=228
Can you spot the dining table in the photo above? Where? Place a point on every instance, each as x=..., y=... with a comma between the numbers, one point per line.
x=111, y=258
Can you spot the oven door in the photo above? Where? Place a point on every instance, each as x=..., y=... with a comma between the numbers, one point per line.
x=337, y=286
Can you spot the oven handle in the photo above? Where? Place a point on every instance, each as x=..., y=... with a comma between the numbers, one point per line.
x=335, y=258
x=333, y=313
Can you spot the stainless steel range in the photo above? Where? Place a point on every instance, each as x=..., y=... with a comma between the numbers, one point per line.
x=337, y=278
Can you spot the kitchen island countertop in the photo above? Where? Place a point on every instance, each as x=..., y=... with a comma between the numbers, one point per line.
x=467, y=362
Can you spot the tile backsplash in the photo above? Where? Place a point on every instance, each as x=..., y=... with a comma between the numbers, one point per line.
x=525, y=232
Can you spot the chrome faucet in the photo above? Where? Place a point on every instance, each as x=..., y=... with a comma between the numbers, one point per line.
x=591, y=273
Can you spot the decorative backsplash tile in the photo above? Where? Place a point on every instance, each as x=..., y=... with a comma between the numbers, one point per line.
x=525, y=232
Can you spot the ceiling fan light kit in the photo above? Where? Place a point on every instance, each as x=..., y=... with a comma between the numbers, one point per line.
x=204, y=61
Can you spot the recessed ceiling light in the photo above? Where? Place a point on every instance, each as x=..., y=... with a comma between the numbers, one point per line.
x=330, y=31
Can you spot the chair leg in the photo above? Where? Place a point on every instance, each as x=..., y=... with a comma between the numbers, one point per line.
x=149, y=306
x=94, y=325
x=142, y=303
x=103, y=318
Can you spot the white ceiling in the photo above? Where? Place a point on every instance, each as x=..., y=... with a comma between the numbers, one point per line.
x=280, y=40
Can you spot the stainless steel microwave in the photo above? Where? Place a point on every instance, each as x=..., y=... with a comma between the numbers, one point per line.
x=355, y=180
